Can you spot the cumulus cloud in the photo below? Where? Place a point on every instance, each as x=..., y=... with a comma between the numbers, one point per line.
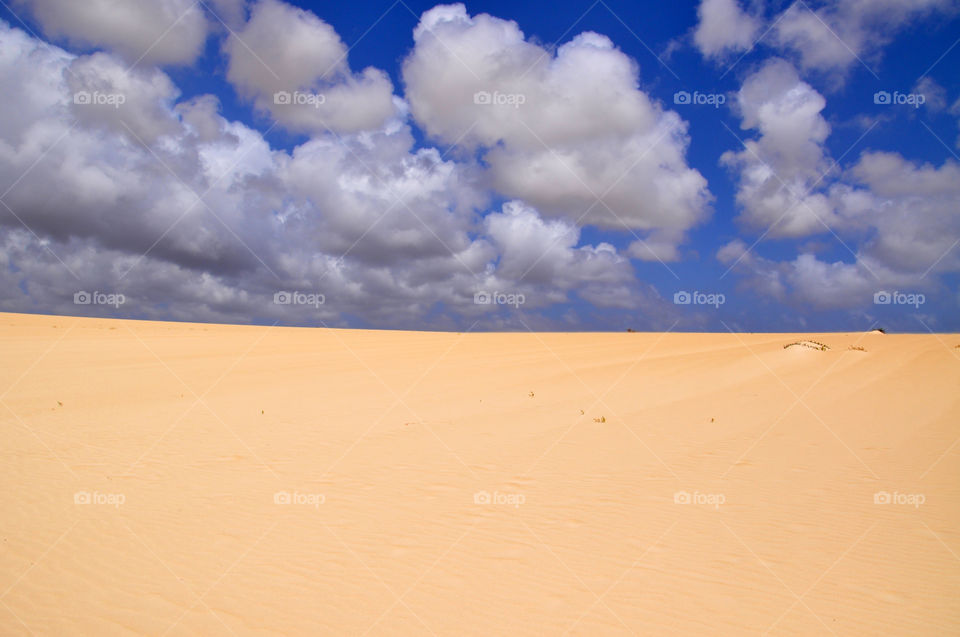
x=724, y=28
x=148, y=31
x=841, y=33
x=195, y=217
x=828, y=37
x=117, y=182
x=805, y=281
x=569, y=132
x=293, y=65
x=910, y=208
x=779, y=171
x=894, y=221
x=901, y=216
x=541, y=257
x=106, y=95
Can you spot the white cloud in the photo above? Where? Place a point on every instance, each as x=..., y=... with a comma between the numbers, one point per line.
x=896, y=220
x=829, y=37
x=293, y=65
x=835, y=35
x=724, y=28
x=804, y=282
x=544, y=254
x=105, y=94
x=231, y=13
x=387, y=232
x=780, y=171
x=153, y=31
x=845, y=32
x=912, y=210
x=823, y=39
x=558, y=130
x=902, y=219
x=934, y=95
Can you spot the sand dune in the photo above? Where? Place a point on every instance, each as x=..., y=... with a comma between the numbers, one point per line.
x=185, y=479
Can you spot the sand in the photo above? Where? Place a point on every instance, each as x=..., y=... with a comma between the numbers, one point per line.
x=187, y=479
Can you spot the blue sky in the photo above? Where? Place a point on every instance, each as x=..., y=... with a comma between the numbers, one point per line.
x=842, y=213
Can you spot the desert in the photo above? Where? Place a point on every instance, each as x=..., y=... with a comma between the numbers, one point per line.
x=198, y=479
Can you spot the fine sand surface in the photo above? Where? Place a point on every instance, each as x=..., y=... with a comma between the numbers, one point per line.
x=186, y=479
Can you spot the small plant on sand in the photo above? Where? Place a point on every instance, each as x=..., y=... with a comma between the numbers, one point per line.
x=600, y=419
x=857, y=348
x=808, y=344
